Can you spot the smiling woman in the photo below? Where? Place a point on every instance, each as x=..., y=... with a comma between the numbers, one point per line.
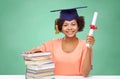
x=69, y=54
x=25, y=24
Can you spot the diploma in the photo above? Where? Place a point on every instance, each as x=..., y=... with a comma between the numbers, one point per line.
x=92, y=26
x=94, y=18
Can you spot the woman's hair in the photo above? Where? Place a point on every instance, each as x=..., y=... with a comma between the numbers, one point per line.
x=79, y=20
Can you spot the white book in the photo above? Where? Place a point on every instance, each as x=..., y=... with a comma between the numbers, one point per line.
x=36, y=54
x=46, y=77
x=45, y=66
x=40, y=71
x=38, y=58
x=38, y=63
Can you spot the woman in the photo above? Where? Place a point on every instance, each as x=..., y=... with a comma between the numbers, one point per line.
x=70, y=54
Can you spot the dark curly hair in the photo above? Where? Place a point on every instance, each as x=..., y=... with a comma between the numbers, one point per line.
x=79, y=20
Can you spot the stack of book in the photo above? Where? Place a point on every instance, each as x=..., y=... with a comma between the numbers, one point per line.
x=39, y=65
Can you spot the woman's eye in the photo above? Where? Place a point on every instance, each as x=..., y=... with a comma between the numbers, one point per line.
x=65, y=25
x=73, y=24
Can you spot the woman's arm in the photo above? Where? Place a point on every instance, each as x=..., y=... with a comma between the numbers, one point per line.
x=45, y=47
x=34, y=50
x=87, y=66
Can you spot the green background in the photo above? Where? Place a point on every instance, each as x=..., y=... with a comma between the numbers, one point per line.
x=25, y=24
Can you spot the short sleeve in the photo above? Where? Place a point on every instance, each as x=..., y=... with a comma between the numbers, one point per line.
x=47, y=46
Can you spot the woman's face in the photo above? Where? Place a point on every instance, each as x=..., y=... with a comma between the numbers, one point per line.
x=70, y=28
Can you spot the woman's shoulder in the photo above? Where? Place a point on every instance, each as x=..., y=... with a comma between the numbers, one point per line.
x=82, y=41
x=55, y=40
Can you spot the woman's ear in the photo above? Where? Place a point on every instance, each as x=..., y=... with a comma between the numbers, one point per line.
x=56, y=27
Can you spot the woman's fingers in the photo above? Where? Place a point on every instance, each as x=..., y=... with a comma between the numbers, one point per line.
x=90, y=40
x=29, y=52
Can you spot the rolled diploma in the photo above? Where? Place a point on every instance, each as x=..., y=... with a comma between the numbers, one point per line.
x=93, y=23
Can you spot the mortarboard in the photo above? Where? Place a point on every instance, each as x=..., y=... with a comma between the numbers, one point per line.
x=68, y=14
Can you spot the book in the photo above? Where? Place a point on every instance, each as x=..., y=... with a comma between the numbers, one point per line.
x=37, y=58
x=36, y=54
x=46, y=77
x=40, y=71
x=38, y=65
x=44, y=66
x=39, y=74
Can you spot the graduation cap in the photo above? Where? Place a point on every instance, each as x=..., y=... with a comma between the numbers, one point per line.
x=68, y=14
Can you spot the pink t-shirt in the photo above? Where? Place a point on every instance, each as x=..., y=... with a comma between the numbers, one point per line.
x=65, y=63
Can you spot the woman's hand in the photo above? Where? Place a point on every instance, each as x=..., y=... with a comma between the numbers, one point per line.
x=29, y=52
x=34, y=50
x=90, y=40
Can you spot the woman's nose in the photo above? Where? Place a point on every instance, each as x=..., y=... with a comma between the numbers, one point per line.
x=69, y=27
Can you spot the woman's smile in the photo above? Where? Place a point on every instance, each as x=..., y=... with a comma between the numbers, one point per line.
x=70, y=28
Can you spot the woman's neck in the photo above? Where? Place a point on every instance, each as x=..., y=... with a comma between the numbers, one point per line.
x=69, y=44
x=70, y=39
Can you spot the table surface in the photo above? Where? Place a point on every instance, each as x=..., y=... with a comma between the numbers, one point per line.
x=64, y=77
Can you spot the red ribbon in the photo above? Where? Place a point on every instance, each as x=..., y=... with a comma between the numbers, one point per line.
x=93, y=27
